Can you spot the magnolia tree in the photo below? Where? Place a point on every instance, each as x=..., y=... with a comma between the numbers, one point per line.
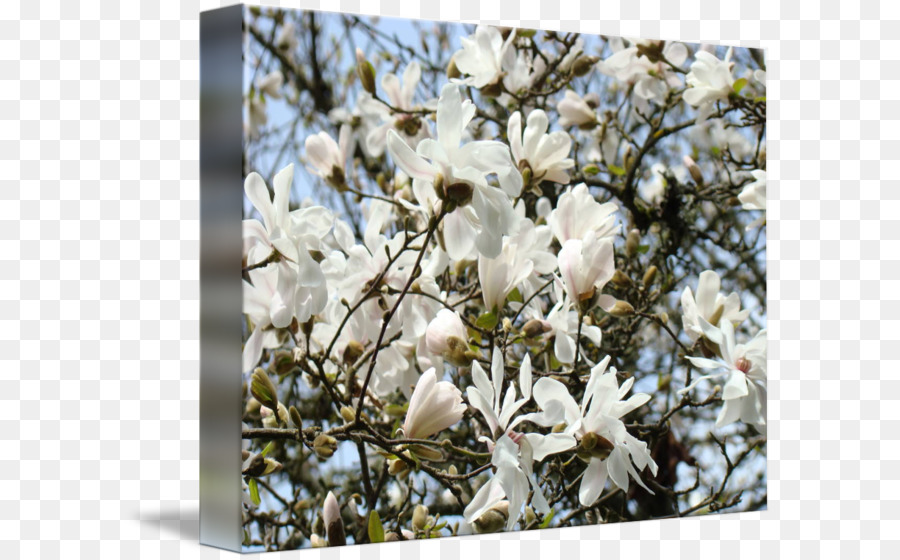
x=497, y=279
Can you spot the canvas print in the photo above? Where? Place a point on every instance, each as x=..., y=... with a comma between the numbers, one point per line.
x=496, y=279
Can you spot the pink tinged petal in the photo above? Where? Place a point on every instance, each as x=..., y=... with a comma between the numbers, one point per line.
x=706, y=363
x=411, y=77
x=253, y=349
x=390, y=83
x=564, y=348
x=534, y=131
x=407, y=160
x=618, y=469
x=487, y=497
x=736, y=386
x=459, y=235
x=525, y=377
x=480, y=402
x=707, y=292
x=514, y=133
x=497, y=374
x=449, y=117
x=545, y=445
x=282, y=187
x=256, y=190
x=593, y=482
x=482, y=383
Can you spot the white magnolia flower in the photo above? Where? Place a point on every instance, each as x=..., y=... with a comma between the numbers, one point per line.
x=446, y=172
x=575, y=111
x=433, y=407
x=586, y=266
x=597, y=424
x=577, y=213
x=651, y=80
x=328, y=158
x=482, y=55
x=744, y=391
x=563, y=321
x=753, y=197
x=287, y=40
x=412, y=128
x=709, y=307
x=500, y=276
x=543, y=155
x=256, y=115
x=513, y=453
x=446, y=336
x=261, y=303
x=710, y=80
x=270, y=84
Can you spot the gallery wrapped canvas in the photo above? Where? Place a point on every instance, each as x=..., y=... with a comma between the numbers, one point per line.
x=463, y=279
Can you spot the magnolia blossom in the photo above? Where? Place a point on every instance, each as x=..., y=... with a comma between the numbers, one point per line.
x=270, y=84
x=744, y=391
x=262, y=302
x=287, y=40
x=709, y=307
x=540, y=156
x=586, y=266
x=446, y=336
x=563, y=321
x=482, y=55
x=513, y=453
x=501, y=275
x=575, y=111
x=412, y=128
x=445, y=171
x=753, y=197
x=329, y=158
x=643, y=66
x=433, y=407
x=613, y=452
x=577, y=213
x=710, y=80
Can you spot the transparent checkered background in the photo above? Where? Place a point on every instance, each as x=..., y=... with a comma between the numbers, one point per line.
x=99, y=281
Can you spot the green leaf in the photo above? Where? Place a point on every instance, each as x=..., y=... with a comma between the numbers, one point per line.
x=547, y=519
x=739, y=85
x=268, y=448
x=487, y=321
x=616, y=170
x=590, y=169
x=254, y=491
x=642, y=249
x=761, y=99
x=376, y=531
x=515, y=296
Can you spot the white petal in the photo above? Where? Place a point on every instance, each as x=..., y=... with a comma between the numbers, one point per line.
x=592, y=482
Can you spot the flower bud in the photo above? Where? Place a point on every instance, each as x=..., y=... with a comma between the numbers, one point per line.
x=426, y=453
x=596, y=445
x=493, y=519
x=650, y=276
x=352, y=352
x=529, y=515
x=621, y=309
x=420, y=517
x=262, y=389
x=397, y=467
x=295, y=417
x=592, y=99
x=334, y=525
x=348, y=414
x=694, y=170
x=632, y=243
x=535, y=328
x=365, y=71
x=270, y=419
x=583, y=65
x=452, y=470
x=620, y=279
x=324, y=446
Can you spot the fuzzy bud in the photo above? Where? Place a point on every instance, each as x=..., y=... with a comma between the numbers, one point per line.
x=420, y=517
x=535, y=328
x=621, y=309
x=493, y=519
x=365, y=71
x=452, y=70
x=583, y=65
x=353, y=351
x=262, y=389
x=334, y=525
x=650, y=276
x=295, y=417
x=694, y=170
x=632, y=243
x=324, y=446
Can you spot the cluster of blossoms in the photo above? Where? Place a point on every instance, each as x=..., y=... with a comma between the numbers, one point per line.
x=482, y=285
